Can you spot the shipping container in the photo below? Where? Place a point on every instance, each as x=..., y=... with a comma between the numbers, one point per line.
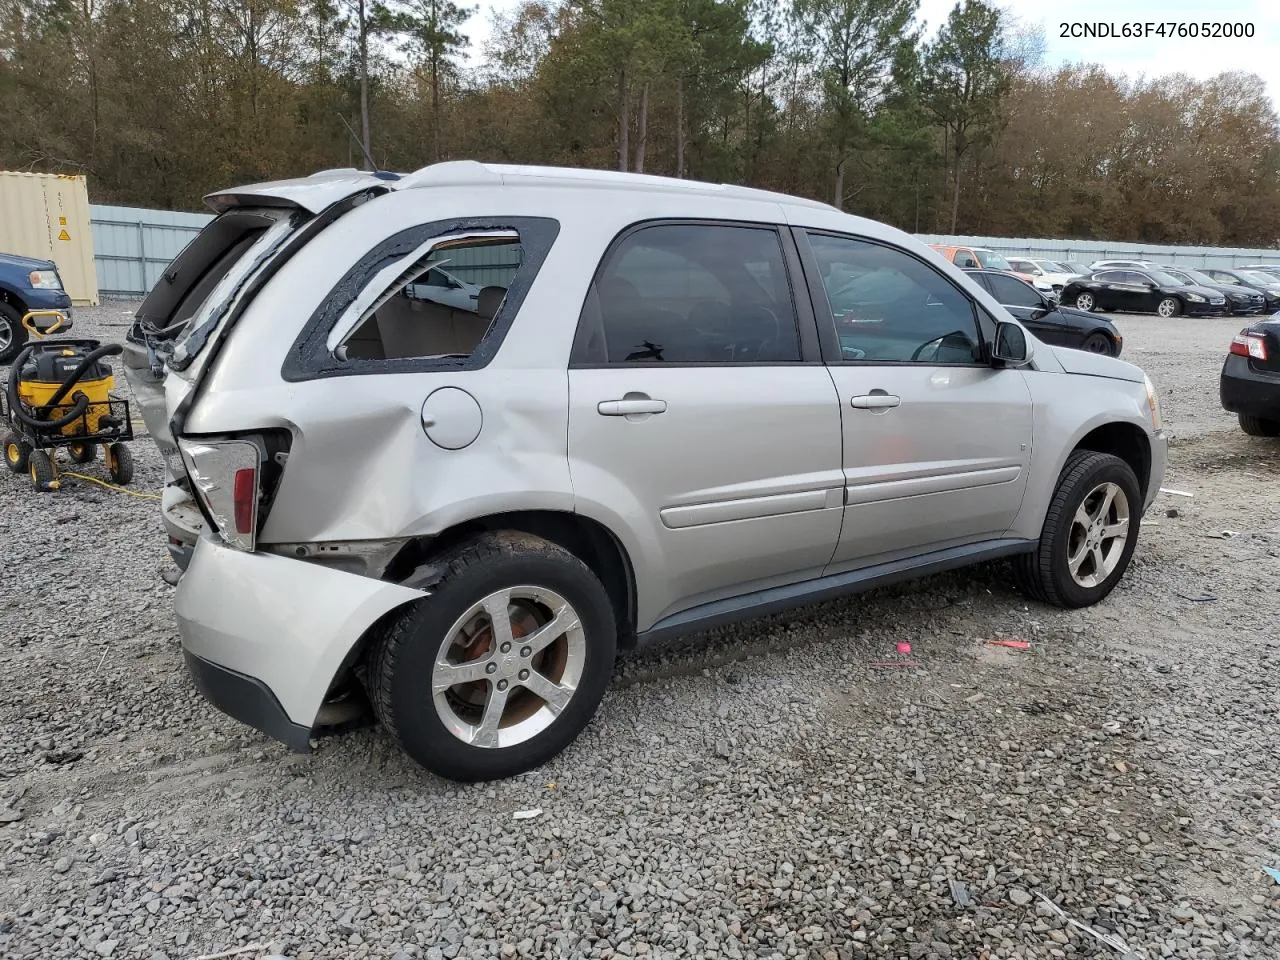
x=46, y=215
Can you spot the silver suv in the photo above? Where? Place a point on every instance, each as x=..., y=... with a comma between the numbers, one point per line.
x=668, y=405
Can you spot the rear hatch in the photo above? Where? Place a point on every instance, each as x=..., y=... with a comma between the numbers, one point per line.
x=197, y=290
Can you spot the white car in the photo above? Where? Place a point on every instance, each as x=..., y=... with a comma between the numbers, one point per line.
x=1038, y=274
x=441, y=286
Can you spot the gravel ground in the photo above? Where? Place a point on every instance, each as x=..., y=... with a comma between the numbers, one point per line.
x=765, y=791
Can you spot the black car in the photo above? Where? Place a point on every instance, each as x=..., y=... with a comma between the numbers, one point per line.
x=1250, y=383
x=1270, y=269
x=1266, y=284
x=1050, y=322
x=1240, y=299
x=1142, y=291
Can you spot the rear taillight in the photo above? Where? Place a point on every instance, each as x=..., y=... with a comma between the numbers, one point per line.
x=224, y=475
x=1247, y=344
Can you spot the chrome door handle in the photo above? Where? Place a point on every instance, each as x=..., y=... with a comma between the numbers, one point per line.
x=630, y=407
x=875, y=401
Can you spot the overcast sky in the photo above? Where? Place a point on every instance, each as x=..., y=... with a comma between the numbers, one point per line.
x=1150, y=56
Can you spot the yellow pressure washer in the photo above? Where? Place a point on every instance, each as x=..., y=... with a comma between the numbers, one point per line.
x=59, y=395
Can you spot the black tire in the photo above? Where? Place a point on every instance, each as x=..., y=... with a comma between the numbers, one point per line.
x=17, y=453
x=119, y=463
x=83, y=452
x=13, y=335
x=399, y=666
x=1258, y=426
x=1099, y=343
x=1169, y=307
x=43, y=476
x=1043, y=574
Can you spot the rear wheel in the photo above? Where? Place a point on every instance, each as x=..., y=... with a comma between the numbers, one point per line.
x=502, y=666
x=17, y=452
x=1169, y=307
x=1258, y=426
x=1098, y=343
x=13, y=335
x=82, y=452
x=119, y=463
x=1089, y=533
x=1085, y=301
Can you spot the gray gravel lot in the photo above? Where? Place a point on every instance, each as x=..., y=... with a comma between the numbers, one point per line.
x=763, y=791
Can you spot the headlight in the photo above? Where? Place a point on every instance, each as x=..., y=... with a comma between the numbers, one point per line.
x=1195, y=298
x=1153, y=404
x=44, y=280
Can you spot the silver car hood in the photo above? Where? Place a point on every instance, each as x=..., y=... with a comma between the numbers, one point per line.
x=1095, y=364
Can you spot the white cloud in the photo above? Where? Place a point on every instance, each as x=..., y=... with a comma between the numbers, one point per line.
x=1149, y=56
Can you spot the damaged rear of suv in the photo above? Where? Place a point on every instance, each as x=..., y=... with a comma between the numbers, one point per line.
x=454, y=440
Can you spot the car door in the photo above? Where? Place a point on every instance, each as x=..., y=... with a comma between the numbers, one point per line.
x=936, y=440
x=1113, y=291
x=1028, y=305
x=701, y=418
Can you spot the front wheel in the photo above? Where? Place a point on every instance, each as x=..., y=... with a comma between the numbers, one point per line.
x=502, y=666
x=119, y=463
x=13, y=335
x=1259, y=426
x=1098, y=343
x=1089, y=533
x=1169, y=307
x=1085, y=301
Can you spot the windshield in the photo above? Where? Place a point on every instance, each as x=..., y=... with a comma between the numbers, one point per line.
x=1168, y=279
x=1257, y=276
x=992, y=260
x=1198, y=277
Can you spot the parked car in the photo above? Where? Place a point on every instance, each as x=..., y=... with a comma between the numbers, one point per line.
x=27, y=285
x=1122, y=265
x=1036, y=275
x=1267, y=285
x=967, y=258
x=440, y=286
x=1047, y=319
x=1270, y=269
x=1250, y=381
x=467, y=515
x=1240, y=299
x=1142, y=291
x=1075, y=268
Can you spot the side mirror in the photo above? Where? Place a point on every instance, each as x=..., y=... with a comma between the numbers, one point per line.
x=1010, y=346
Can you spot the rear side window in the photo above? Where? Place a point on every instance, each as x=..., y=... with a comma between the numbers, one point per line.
x=965, y=260
x=441, y=305
x=692, y=293
x=1013, y=292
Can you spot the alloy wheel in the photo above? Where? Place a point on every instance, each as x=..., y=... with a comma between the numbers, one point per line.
x=1085, y=301
x=509, y=666
x=1099, y=531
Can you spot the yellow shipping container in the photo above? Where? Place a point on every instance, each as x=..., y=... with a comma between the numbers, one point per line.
x=46, y=215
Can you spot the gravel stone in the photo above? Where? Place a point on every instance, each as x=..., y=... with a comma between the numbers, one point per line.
x=814, y=807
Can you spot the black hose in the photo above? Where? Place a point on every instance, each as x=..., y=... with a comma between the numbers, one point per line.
x=90, y=358
x=81, y=402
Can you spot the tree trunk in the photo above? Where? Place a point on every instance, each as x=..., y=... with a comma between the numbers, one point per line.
x=955, y=192
x=680, y=127
x=642, y=128
x=364, y=87
x=838, y=200
x=435, y=105
x=624, y=120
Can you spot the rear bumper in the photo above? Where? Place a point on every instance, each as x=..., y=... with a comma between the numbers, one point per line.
x=273, y=632
x=1252, y=392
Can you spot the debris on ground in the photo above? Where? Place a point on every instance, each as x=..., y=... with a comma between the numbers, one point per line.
x=1272, y=872
x=1011, y=644
x=1110, y=939
x=1176, y=493
x=527, y=814
x=960, y=893
x=1203, y=598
